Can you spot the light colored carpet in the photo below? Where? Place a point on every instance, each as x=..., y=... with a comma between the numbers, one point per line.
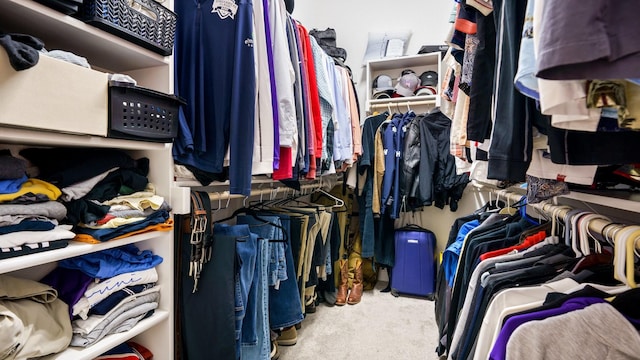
x=380, y=327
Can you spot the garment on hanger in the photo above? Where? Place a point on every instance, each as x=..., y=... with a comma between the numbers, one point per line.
x=281, y=113
x=218, y=114
x=504, y=287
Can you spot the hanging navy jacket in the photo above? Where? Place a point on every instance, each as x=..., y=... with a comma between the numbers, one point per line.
x=215, y=74
x=388, y=144
x=403, y=125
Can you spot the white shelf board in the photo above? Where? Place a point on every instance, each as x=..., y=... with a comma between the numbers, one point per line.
x=621, y=200
x=404, y=100
x=430, y=59
x=74, y=248
x=16, y=135
x=110, y=341
x=60, y=31
x=258, y=179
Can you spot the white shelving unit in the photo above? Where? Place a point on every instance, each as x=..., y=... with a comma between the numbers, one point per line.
x=393, y=67
x=73, y=249
x=60, y=31
x=105, y=53
x=113, y=340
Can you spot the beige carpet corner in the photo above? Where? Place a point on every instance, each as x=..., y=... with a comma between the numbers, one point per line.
x=380, y=327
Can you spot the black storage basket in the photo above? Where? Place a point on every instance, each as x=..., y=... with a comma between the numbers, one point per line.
x=137, y=113
x=68, y=7
x=143, y=22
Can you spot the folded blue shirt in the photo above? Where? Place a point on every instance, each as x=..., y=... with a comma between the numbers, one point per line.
x=12, y=185
x=112, y=262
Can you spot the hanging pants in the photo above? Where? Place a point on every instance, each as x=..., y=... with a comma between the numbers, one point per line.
x=205, y=320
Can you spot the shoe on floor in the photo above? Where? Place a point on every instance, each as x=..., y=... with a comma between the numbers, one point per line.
x=330, y=298
x=275, y=354
x=288, y=336
x=310, y=304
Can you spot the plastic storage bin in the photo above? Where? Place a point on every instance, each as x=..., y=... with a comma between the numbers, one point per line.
x=142, y=22
x=137, y=113
x=68, y=7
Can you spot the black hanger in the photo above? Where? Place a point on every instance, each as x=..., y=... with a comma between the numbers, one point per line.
x=254, y=213
x=296, y=199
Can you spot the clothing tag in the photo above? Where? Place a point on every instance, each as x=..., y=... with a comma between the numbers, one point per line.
x=225, y=8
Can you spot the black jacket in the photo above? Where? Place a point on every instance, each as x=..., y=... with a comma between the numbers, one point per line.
x=438, y=181
x=410, y=166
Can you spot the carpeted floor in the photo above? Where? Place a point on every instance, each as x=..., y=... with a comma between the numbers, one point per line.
x=380, y=327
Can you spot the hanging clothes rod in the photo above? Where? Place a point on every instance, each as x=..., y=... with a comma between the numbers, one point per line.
x=403, y=103
x=272, y=192
x=623, y=238
x=596, y=226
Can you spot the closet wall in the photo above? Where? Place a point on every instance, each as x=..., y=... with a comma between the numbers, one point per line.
x=353, y=21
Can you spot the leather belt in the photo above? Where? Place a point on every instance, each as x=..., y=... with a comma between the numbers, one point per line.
x=201, y=239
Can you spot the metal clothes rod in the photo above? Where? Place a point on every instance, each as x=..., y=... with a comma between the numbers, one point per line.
x=596, y=226
x=272, y=193
x=408, y=103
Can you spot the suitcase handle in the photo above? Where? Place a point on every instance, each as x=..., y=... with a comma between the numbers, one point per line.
x=413, y=227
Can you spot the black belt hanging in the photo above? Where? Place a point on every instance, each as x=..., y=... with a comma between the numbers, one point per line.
x=201, y=235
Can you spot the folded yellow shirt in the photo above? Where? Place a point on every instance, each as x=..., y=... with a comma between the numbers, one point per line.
x=35, y=186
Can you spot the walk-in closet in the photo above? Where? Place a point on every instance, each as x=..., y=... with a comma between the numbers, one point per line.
x=297, y=180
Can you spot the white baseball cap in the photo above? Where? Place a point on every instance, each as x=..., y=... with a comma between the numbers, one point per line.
x=407, y=84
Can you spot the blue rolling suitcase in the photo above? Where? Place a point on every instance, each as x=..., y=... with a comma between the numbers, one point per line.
x=414, y=272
